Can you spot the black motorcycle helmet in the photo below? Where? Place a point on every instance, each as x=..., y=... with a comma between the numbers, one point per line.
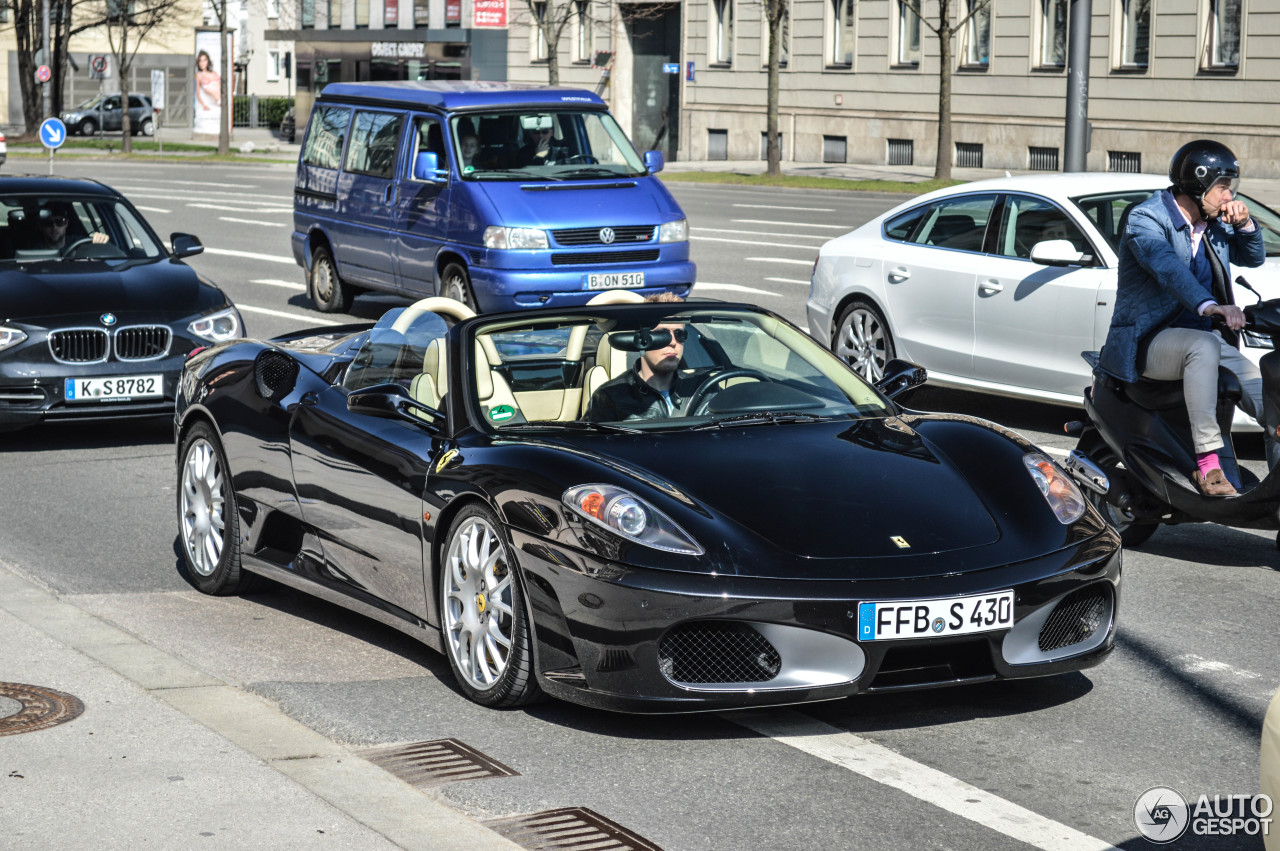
x=1200, y=164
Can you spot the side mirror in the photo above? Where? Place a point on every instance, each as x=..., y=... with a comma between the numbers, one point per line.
x=185, y=245
x=1058, y=252
x=427, y=167
x=901, y=376
x=654, y=161
x=391, y=401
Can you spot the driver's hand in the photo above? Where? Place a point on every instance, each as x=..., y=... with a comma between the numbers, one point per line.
x=1233, y=315
x=100, y=238
x=1234, y=213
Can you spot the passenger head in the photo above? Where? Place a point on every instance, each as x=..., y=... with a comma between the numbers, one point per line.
x=469, y=146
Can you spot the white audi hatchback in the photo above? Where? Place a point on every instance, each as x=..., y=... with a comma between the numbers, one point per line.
x=976, y=284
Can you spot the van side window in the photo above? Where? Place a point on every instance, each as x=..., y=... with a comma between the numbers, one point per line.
x=429, y=136
x=324, y=141
x=373, y=144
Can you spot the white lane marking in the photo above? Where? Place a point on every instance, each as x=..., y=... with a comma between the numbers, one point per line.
x=878, y=763
x=151, y=209
x=751, y=242
x=1193, y=664
x=787, y=224
x=253, y=222
x=146, y=180
x=773, y=207
x=759, y=233
x=1053, y=450
x=780, y=260
x=789, y=281
x=734, y=288
x=270, y=258
x=276, y=282
x=239, y=197
x=240, y=208
x=285, y=314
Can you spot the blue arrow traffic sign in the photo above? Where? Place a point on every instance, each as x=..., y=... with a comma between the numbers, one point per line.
x=53, y=133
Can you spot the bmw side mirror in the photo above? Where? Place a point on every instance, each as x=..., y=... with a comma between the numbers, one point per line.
x=901, y=376
x=185, y=245
x=1058, y=252
x=427, y=167
x=391, y=401
x=654, y=161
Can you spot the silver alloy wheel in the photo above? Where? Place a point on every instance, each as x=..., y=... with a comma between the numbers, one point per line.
x=148, y=128
x=322, y=275
x=203, y=498
x=478, y=619
x=861, y=343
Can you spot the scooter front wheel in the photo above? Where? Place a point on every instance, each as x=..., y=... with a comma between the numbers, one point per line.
x=1132, y=533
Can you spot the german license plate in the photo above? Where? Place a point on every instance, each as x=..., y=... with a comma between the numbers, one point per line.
x=893, y=619
x=113, y=389
x=613, y=281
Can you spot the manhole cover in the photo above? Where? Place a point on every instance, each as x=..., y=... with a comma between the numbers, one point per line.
x=570, y=827
x=39, y=707
x=426, y=764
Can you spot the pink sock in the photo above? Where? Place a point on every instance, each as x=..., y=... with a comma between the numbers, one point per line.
x=1207, y=461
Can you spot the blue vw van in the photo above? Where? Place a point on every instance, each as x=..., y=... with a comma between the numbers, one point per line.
x=501, y=196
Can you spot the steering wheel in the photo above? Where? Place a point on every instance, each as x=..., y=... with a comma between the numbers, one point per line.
x=581, y=159
x=70, y=249
x=702, y=395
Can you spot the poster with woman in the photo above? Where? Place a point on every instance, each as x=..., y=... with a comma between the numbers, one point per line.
x=207, y=80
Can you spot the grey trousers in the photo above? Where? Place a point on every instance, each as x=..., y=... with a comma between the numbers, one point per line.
x=1194, y=357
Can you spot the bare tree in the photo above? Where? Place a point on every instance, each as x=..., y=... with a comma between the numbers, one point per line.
x=28, y=27
x=548, y=19
x=775, y=15
x=945, y=32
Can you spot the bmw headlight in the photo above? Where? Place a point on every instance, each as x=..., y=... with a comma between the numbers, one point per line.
x=217, y=327
x=10, y=337
x=1059, y=491
x=626, y=514
x=674, y=231
x=500, y=237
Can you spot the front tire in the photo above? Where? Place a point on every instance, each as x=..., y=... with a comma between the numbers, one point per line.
x=88, y=127
x=208, y=523
x=148, y=127
x=862, y=340
x=482, y=612
x=456, y=284
x=1132, y=533
x=328, y=292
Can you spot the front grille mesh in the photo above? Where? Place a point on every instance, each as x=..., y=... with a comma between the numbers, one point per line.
x=717, y=652
x=589, y=257
x=79, y=345
x=142, y=342
x=622, y=235
x=1076, y=617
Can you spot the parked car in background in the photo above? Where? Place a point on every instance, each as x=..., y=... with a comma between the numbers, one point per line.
x=289, y=125
x=103, y=112
x=4, y=149
x=998, y=285
x=96, y=315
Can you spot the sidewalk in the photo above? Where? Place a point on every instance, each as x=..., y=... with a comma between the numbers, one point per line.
x=166, y=756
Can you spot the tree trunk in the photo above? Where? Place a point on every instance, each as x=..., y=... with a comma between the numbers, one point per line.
x=27, y=23
x=126, y=120
x=224, y=122
x=553, y=66
x=776, y=10
x=942, y=168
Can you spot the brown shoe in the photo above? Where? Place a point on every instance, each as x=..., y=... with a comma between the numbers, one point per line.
x=1214, y=484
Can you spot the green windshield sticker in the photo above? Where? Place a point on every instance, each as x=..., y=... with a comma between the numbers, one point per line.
x=501, y=412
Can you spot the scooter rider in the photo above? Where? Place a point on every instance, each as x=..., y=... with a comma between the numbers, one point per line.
x=1174, y=274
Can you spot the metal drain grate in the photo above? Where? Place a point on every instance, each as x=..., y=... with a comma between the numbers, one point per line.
x=426, y=764
x=41, y=707
x=571, y=827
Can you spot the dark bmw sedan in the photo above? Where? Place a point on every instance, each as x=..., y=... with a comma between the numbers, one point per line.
x=96, y=315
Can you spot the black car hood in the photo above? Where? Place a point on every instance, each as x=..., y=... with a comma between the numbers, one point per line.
x=39, y=293
x=831, y=490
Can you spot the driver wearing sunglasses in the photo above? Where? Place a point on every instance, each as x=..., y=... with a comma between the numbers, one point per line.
x=52, y=223
x=652, y=388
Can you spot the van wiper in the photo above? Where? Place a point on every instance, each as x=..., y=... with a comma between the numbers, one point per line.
x=759, y=418
x=518, y=174
x=571, y=425
x=594, y=172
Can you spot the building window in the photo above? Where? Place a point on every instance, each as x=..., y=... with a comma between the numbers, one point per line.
x=421, y=13
x=764, y=146
x=582, y=31
x=362, y=14
x=1053, y=33
x=273, y=65
x=717, y=144
x=722, y=53
x=841, y=33
x=835, y=149
x=784, y=36
x=901, y=152
x=1135, y=33
x=968, y=155
x=390, y=13
x=1042, y=159
x=1222, y=36
x=908, y=34
x=977, y=34
x=1127, y=162
x=539, y=38
x=307, y=14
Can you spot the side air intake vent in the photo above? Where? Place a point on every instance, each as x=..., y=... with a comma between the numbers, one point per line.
x=1075, y=619
x=275, y=373
x=717, y=652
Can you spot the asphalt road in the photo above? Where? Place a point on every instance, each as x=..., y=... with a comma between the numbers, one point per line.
x=89, y=512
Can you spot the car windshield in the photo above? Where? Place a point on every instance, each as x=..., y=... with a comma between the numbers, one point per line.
x=552, y=145
x=91, y=103
x=65, y=228
x=724, y=367
x=1107, y=211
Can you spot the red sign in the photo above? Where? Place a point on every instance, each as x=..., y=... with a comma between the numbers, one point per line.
x=43, y=73
x=452, y=11
x=490, y=13
x=390, y=12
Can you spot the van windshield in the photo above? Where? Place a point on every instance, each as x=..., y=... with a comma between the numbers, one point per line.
x=545, y=145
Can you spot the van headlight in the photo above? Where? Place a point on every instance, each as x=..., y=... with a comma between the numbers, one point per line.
x=626, y=514
x=500, y=237
x=217, y=327
x=674, y=231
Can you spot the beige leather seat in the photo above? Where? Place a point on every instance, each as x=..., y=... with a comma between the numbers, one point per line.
x=494, y=392
x=430, y=385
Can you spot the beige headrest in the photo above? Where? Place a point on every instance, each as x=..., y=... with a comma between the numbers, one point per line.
x=617, y=297
x=484, y=379
x=433, y=364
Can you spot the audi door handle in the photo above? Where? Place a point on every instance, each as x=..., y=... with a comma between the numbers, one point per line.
x=991, y=287
x=898, y=275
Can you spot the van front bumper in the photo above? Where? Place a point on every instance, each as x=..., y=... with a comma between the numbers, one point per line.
x=498, y=290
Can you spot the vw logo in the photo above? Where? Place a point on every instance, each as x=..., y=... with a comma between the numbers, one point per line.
x=606, y=235
x=107, y=319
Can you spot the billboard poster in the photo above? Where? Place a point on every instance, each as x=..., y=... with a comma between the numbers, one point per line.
x=207, y=91
x=490, y=13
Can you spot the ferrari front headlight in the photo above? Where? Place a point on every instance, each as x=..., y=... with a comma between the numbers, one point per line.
x=10, y=337
x=626, y=514
x=1059, y=491
x=217, y=327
